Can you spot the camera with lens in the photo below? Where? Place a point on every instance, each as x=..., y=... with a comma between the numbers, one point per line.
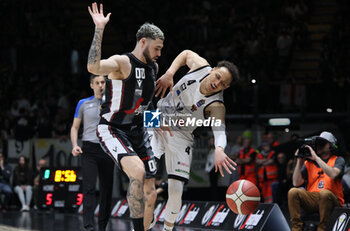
x=317, y=143
x=305, y=151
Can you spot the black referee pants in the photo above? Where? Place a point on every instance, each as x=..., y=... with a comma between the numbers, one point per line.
x=96, y=162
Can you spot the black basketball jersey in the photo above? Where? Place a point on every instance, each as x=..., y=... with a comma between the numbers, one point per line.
x=125, y=100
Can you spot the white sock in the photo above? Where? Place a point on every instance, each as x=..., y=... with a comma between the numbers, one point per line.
x=173, y=205
x=167, y=228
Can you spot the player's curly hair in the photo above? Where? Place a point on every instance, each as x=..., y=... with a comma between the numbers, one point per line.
x=232, y=68
x=149, y=30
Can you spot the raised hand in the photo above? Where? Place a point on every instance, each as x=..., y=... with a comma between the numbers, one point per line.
x=97, y=16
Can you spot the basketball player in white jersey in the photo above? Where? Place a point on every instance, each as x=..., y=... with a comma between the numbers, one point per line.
x=198, y=95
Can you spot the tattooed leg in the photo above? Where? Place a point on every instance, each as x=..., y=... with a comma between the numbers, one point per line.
x=135, y=169
x=150, y=199
x=135, y=198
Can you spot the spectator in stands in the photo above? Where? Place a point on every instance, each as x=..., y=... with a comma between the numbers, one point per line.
x=294, y=137
x=296, y=10
x=60, y=129
x=24, y=129
x=15, y=109
x=284, y=45
x=41, y=165
x=22, y=182
x=323, y=173
x=267, y=171
x=6, y=130
x=270, y=137
x=6, y=134
x=23, y=102
x=5, y=186
x=44, y=129
x=246, y=162
x=233, y=154
x=281, y=187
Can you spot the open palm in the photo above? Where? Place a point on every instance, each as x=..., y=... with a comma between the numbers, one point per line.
x=99, y=19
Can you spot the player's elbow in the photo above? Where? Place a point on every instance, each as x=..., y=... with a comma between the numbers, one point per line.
x=93, y=69
x=189, y=53
x=90, y=68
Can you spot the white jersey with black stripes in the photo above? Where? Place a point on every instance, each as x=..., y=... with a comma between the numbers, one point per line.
x=187, y=103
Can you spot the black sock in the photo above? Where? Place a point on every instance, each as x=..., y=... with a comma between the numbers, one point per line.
x=138, y=224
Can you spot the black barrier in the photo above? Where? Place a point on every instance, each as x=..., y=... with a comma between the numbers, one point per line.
x=121, y=209
x=339, y=220
x=213, y=215
x=275, y=219
x=217, y=215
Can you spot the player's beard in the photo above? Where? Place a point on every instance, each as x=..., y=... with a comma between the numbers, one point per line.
x=147, y=55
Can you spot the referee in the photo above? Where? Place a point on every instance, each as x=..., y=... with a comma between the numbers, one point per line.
x=94, y=160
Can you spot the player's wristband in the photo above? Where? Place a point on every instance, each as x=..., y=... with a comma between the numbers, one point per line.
x=220, y=136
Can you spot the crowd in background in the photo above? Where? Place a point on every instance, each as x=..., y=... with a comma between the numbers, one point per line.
x=36, y=78
x=336, y=53
x=43, y=64
x=22, y=181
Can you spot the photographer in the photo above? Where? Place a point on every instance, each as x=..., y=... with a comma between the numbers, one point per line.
x=322, y=174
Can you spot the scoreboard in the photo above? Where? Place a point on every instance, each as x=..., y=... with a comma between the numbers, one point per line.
x=60, y=188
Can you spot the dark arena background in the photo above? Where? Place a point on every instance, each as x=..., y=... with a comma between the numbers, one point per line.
x=294, y=63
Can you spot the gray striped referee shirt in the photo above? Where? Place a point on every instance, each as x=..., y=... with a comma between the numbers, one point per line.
x=89, y=111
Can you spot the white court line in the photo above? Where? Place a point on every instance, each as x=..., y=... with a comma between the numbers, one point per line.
x=10, y=228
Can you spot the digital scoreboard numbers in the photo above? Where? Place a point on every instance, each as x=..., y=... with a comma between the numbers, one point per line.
x=60, y=188
x=65, y=176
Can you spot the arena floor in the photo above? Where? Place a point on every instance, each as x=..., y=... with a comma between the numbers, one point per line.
x=55, y=221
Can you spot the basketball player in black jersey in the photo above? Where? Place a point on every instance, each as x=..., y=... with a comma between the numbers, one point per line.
x=129, y=90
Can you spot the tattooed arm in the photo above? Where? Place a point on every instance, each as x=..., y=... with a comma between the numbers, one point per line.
x=95, y=65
